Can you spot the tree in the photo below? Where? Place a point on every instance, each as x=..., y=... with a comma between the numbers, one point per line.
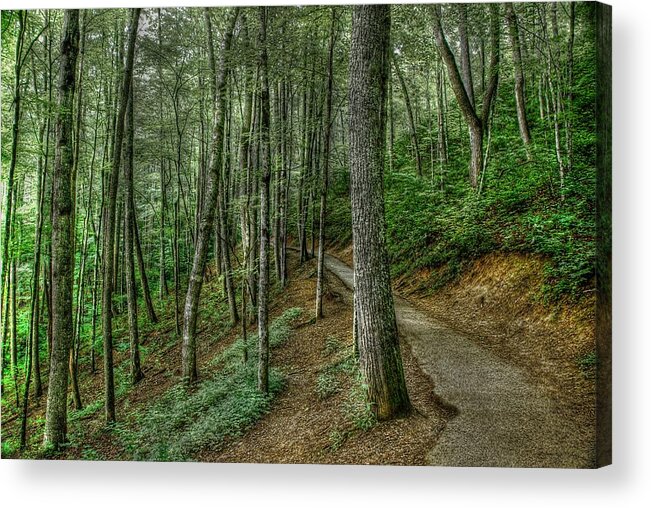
x=129, y=233
x=410, y=114
x=263, y=279
x=325, y=169
x=15, y=128
x=376, y=331
x=520, y=102
x=206, y=225
x=63, y=261
x=460, y=86
x=108, y=265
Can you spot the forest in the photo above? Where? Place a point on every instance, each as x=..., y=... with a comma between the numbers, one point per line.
x=253, y=234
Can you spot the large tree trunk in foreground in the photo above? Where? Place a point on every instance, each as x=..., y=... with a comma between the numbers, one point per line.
x=206, y=226
x=263, y=279
x=63, y=261
x=109, y=225
x=376, y=331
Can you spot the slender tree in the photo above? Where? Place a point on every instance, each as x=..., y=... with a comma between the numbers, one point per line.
x=63, y=260
x=15, y=130
x=129, y=233
x=108, y=266
x=206, y=225
x=265, y=145
x=520, y=102
x=460, y=86
x=325, y=169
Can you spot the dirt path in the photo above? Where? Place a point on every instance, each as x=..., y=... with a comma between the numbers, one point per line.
x=504, y=418
x=304, y=428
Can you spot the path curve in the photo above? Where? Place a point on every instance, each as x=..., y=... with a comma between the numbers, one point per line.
x=503, y=418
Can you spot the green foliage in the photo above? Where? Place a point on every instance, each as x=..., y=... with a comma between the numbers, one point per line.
x=327, y=384
x=337, y=438
x=332, y=345
x=358, y=411
x=183, y=422
x=122, y=387
x=519, y=210
x=588, y=365
x=89, y=453
x=9, y=447
x=279, y=331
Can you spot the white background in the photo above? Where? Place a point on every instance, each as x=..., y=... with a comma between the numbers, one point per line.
x=98, y=484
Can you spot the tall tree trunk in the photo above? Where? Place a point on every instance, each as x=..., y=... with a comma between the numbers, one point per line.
x=13, y=328
x=376, y=331
x=191, y=309
x=35, y=315
x=569, y=128
x=63, y=261
x=246, y=174
x=162, y=284
x=96, y=269
x=324, y=170
x=464, y=53
x=15, y=131
x=465, y=102
x=109, y=224
x=263, y=280
x=286, y=179
x=410, y=115
x=144, y=280
x=129, y=233
x=177, y=268
x=520, y=103
x=441, y=126
x=392, y=135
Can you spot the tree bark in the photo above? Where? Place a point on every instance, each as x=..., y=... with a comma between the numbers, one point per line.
x=465, y=102
x=162, y=284
x=63, y=260
x=476, y=122
x=376, y=331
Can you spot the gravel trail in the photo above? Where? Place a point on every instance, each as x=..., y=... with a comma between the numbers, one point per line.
x=503, y=418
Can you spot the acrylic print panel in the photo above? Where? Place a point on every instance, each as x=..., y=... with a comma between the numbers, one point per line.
x=321, y=234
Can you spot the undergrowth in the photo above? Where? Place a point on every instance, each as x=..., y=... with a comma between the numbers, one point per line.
x=182, y=423
x=356, y=410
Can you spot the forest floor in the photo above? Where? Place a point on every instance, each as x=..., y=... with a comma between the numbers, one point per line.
x=316, y=417
x=493, y=379
x=306, y=427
